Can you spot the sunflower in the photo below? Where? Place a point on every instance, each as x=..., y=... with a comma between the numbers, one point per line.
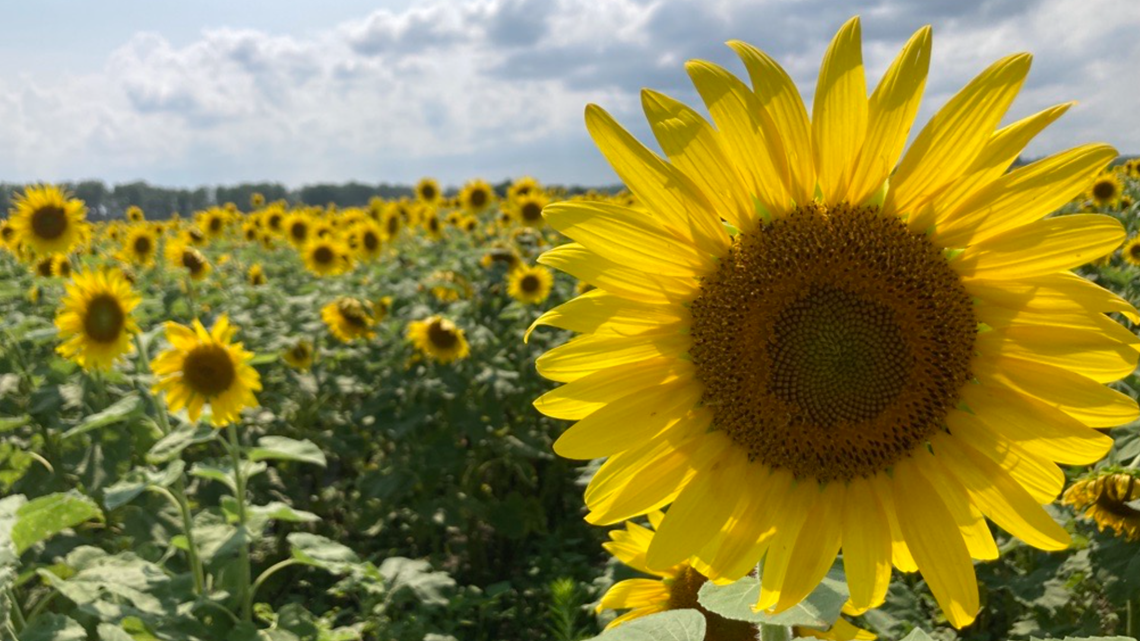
x=95, y=322
x=250, y=231
x=1106, y=189
x=256, y=275
x=213, y=222
x=296, y=227
x=433, y=227
x=528, y=209
x=140, y=246
x=274, y=218
x=47, y=220
x=257, y=200
x=381, y=307
x=7, y=233
x=506, y=257
x=676, y=588
x=530, y=285
x=326, y=256
x=206, y=367
x=44, y=266
x=61, y=266
x=348, y=319
x=300, y=355
x=448, y=286
x=427, y=191
x=183, y=256
x=438, y=339
x=525, y=186
x=874, y=365
x=1131, y=251
x=476, y=196
x=1105, y=496
x=135, y=214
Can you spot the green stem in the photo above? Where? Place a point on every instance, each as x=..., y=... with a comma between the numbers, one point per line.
x=17, y=613
x=178, y=496
x=43, y=603
x=239, y=482
x=193, y=296
x=270, y=571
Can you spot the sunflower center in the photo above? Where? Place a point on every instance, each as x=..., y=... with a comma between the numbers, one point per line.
x=215, y=224
x=427, y=192
x=531, y=212
x=1104, y=190
x=832, y=342
x=529, y=283
x=683, y=590
x=371, y=241
x=142, y=245
x=393, y=225
x=208, y=370
x=105, y=319
x=300, y=352
x=323, y=255
x=49, y=222
x=43, y=268
x=192, y=261
x=478, y=198
x=298, y=230
x=353, y=313
x=441, y=337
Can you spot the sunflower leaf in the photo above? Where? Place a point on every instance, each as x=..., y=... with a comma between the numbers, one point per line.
x=122, y=410
x=673, y=625
x=819, y=610
x=286, y=449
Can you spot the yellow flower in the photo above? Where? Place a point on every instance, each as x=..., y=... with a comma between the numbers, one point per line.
x=1105, y=496
x=530, y=285
x=867, y=366
x=427, y=191
x=61, y=266
x=677, y=587
x=213, y=222
x=140, y=246
x=95, y=322
x=381, y=307
x=348, y=319
x=296, y=227
x=300, y=355
x=369, y=239
x=447, y=286
x=183, y=256
x=433, y=227
x=1106, y=189
x=509, y=258
x=528, y=209
x=256, y=275
x=1131, y=251
x=135, y=214
x=257, y=200
x=525, y=186
x=476, y=196
x=47, y=220
x=206, y=367
x=326, y=256
x=438, y=339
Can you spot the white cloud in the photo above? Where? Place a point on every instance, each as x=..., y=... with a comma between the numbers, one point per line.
x=497, y=87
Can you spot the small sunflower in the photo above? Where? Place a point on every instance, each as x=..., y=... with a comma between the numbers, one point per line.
x=183, y=256
x=300, y=355
x=61, y=266
x=213, y=222
x=528, y=209
x=45, y=266
x=477, y=196
x=369, y=239
x=391, y=222
x=1105, y=497
x=530, y=284
x=135, y=214
x=95, y=322
x=508, y=258
x=256, y=275
x=676, y=588
x=326, y=256
x=206, y=367
x=448, y=286
x=140, y=246
x=348, y=319
x=1131, y=251
x=525, y=186
x=438, y=339
x=47, y=220
x=296, y=228
x=427, y=191
x=381, y=307
x=257, y=200
x=1106, y=189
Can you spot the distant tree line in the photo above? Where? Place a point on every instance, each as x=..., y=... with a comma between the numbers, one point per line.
x=159, y=203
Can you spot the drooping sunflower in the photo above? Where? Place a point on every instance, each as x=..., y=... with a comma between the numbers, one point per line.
x=1106, y=189
x=206, y=367
x=182, y=256
x=348, y=319
x=530, y=285
x=1105, y=496
x=140, y=246
x=439, y=339
x=427, y=191
x=476, y=196
x=326, y=256
x=95, y=322
x=300, y=355
x=676, y=588
x=873, y=365
x=44, y=266
x=48, y=220
x=507, y=257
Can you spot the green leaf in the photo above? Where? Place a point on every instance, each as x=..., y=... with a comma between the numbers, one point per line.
x=138, y=481
x=416, y=575
x=9, y=507
x=49, y=515
x=286, y=449
x=123, y=409
x=674, y=625
x=53, y=627
x=917, y=634
x=109, y=583
x=819, y=610
x=223, y=471
x=170, y=446
x=9, y=423
x=108, y=632
x=323, y=553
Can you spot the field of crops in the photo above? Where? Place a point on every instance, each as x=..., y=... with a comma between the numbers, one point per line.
x=391, y=479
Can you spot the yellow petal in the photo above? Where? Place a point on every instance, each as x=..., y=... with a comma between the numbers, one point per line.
x=634, y=593
x=816, y=547
x=1092, y=354
x=866, y=547
x=746, y=536
x=585, y=355
x=781, y=100
x=932, y=536
x=1038, y=475
x=890, y=115
x=1059, y=292
x=616, y=278
x=1041, y=248
x=600, y=312
x=1022, y=196
x=665, y=191
x=997, y=495
x=577, y=400
x=971, y=524
x=901, y=557
x=839, y=111
x=794, y=508
x=954, y=137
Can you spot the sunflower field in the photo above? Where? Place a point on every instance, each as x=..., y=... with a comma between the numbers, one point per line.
x=287, y=422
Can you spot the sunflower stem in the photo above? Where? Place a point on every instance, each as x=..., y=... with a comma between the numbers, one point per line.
x=178, y=496
x=239, y=481
x=18, y=620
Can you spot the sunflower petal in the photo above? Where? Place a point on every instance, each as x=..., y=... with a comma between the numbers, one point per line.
x=839, y=111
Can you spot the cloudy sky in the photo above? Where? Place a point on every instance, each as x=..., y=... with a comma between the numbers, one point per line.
x=219, y=92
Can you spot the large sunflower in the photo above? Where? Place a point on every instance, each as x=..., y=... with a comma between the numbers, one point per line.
x=845, y=362
x=677, y=587
x=439, y=339
x=206, y=367
x=47, y=220
x=95, y=322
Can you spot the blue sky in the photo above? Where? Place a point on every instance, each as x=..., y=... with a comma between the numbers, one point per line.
x=212, y=92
